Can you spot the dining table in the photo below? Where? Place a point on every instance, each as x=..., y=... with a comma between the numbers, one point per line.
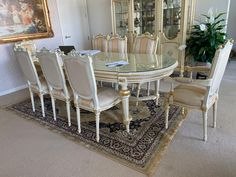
x=130, y=68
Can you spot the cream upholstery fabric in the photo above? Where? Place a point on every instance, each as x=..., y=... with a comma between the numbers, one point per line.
x=106, y=97
x=145, y=43
x=203, y=94
x=28, y=46
x=100, y=43
x=117, y=44
x=86, y=95
x=27, y=66
x=183, y=93
x=52, y=69
x=36, y=84
x=44, y=85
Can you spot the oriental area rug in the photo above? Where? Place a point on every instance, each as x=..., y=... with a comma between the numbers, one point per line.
x=141, y=149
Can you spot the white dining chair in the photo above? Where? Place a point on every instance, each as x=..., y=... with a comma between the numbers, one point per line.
x=36, y=84
x=51, y=64
x=201, y=94
x=100, y=42
x=145, y=44
x=86, y=94
x=117, y=44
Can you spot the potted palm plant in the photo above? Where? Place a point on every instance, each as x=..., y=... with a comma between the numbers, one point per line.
x=206, y=37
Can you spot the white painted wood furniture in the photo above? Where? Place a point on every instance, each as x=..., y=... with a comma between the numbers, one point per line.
x=100, y=42
x=117, y=44
x=51, y=64
x=141, y=68
x=146, y=44
x=36, y=84
x=201, y=94
x=170, y=20
x=87, y=96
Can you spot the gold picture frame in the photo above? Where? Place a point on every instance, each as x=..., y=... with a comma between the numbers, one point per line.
x=24, y=20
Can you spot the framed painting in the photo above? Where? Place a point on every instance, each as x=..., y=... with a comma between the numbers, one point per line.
x=23, y=20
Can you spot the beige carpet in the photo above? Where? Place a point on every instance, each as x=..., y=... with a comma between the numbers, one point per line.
x=28, y=149
x=140, y=149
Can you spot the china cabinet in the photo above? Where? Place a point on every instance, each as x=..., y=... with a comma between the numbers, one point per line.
x=169, y=19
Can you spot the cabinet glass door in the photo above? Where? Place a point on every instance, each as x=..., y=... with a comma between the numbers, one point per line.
x=121, y=17
x=144, y=16
x=171, y=18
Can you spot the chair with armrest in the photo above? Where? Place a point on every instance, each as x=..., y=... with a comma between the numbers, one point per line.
x=201, y=94
x=51, y=65
x=86, y=94
x=145, y=44
x=36, y=84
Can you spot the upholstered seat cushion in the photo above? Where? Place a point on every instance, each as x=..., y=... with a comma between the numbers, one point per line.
x=59, y=93
x=106, y=98
x=192, y=95
x=44, y=86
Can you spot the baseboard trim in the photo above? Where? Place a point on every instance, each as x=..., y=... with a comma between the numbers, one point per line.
x=12, y=90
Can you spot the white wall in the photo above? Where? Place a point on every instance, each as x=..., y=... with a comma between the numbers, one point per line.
x=11, y=77
x=225, y=6
x=202, y=6
x=231, y=30
x=99, y=12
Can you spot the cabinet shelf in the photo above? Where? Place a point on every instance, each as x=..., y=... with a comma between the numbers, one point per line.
x=162, y=17
x=121, y=13
x=174, y=8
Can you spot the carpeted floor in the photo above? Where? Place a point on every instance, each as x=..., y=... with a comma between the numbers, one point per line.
x=28, y=149
x=141, y=149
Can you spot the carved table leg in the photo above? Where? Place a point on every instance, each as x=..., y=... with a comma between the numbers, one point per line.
x=157, y=88
x=125, y=94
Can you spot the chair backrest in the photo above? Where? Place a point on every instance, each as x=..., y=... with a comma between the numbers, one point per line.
x=27, y=45
x=145, y=43
x=27, y=66
x=117, y=44
x=220, y=61
x=81, y=76
x=99, y=42
x=52, y=70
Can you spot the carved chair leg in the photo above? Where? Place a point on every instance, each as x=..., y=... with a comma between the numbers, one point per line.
x=78, y=118
x=214, y=114
x=148, y=88
x=42, y=104
x=138, y=92
x=157, y=88
x=167, y=109
x=182, y=111
x=97, y=125
x=32, y=99
x=53, y=108
x=204, y=114
x=68, y=112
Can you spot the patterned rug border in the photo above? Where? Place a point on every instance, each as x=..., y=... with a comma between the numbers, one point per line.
x=152, y=165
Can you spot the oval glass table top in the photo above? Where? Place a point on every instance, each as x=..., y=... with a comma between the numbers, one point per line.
x=136, y=62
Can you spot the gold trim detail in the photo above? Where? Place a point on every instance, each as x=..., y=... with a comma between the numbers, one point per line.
x=124, y=93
